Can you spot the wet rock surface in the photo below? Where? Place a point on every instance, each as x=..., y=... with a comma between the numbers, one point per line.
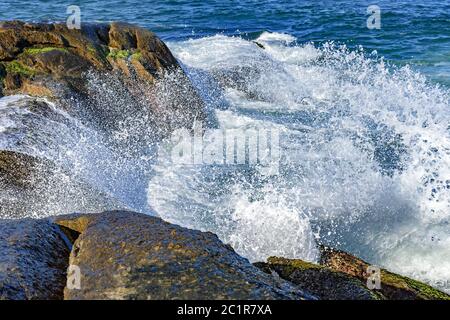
x=342, y=276
x=393, y=286
x=128, y=255
x=115, y=81
x=33, y=260
x=124, y=255
x=30, y=52
x=320, y=281
x=104, y=68
x=35, y=185
x=100, y=75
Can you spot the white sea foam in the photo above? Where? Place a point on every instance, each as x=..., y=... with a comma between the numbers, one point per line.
x=276, y=37
x=366, y=156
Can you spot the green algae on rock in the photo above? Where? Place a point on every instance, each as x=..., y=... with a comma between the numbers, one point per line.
x=71, y=66
x=393, y=286
x=23, y=46
x=320, y=281
x=342, y=276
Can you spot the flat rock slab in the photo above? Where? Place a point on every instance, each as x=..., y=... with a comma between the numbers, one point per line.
x=33, y=260
x=125, y=255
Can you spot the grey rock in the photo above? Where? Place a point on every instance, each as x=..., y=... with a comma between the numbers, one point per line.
x=32, y=186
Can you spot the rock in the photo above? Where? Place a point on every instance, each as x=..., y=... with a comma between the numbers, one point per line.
x=33, y=260
x=31, y=186
x=240, y=78
x=133, y=65
x=125, y=255
x=35, y=51
x=320, y=281
x=115, y=81
x=393, y=286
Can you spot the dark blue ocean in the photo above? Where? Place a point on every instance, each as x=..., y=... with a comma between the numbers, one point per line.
x=412, y=32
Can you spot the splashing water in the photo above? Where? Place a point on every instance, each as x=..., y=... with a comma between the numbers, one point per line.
x=104, y=144
x=365, y=155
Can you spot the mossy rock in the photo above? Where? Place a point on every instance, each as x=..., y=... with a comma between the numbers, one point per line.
x=320, y=281
x=118, y=54
x=58, y=53
x=34, y=51
x=127, y=255
x=136, y=55
x=17, y=67
x=50, y=60
x=393, y=286
x=399, y=287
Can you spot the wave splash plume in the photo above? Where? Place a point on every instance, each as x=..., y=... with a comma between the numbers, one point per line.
x=365, y=155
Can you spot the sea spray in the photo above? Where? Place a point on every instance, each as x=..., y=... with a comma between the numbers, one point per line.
x=365, y=155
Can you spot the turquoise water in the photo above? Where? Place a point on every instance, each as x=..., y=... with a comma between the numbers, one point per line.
x=412, y=32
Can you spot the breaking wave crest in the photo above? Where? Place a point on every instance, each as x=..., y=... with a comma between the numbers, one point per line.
x=365, y=161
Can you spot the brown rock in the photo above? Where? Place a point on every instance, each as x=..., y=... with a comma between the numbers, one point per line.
x=53, y=61
x=52, y=51
x=126, y=255
x=33, y=260
x=393, y=286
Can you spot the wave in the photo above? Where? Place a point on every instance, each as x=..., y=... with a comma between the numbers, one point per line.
x=365, y=161
x=365, y=152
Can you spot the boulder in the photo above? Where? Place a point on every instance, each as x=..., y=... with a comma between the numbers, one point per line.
x=33, y=53
x=102, y=73
x=115, y=81
x=33, y=260
x=33, y=186
x=342, y=276
x=393, y=286
x=320, y=281
x=126, y=255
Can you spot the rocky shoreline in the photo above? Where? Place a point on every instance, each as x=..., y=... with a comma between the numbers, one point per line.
x=127, y=255
x=122, y=254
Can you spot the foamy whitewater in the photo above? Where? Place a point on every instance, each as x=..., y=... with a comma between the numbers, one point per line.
x=365, y=148
x=365, y=156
